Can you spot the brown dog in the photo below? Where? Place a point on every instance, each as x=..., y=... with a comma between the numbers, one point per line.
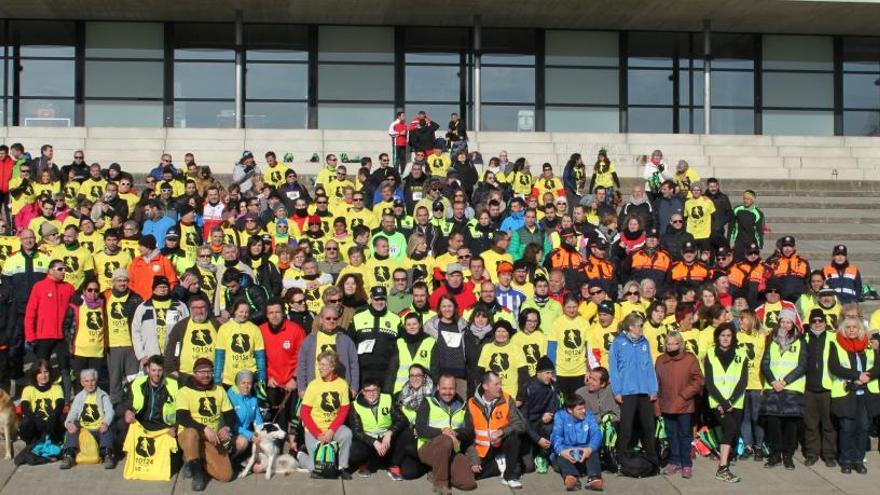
x=8, y=420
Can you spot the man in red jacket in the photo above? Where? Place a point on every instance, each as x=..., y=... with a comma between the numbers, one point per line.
x=282, y=339
x=462, y=291
x=6, y=167
x=44, y=315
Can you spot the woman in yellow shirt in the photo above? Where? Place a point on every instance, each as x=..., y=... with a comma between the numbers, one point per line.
x=568, y=348
x=752, y=339
x=325, y=406
x=520, y=178
x=604, y=174
x=90, y=330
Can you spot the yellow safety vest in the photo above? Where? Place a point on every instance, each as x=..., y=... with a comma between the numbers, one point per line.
x=169, y=408
x=782, y=364
x=829, y=337
x=726, y=380
x=422, y=357
x=838, y=385
x=439, y=417
x=377, y=422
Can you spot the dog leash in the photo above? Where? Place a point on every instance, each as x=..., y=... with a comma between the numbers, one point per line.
x=282, y=405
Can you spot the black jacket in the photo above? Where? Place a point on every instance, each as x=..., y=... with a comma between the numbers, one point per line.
x=846, y=407
x=421, y=137
x=722, y=219
x=673, y=240
x=537, y=400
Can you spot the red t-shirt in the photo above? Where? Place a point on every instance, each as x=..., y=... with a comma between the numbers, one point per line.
x=282, y=349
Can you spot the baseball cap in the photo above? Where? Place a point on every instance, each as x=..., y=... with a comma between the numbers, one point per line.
x=826, y=291
x=173, y=232
x=688, y=247
x=438, y=205
x=653, y=232
x=722, y=251
x=787, y=241
x=600, y=243
x=567, y=232
x=753, y=248
x=454, y=267
x=606, y=307
x=839, y=249
x=203, y=363
x=378, y=293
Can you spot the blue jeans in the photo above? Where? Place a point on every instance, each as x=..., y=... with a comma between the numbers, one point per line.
x=752, y=432
x=592, y=466
x=854, y=434
x=678, y=431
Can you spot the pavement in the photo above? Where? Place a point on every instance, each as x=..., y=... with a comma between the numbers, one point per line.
x=92, y=479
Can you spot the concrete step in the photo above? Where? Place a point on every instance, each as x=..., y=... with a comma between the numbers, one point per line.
x=809, y=201
x=825, y=231
x=837, y=216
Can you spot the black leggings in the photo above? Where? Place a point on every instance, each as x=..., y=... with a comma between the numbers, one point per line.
x=637, y=411
x=730, y=426
x=782, y=435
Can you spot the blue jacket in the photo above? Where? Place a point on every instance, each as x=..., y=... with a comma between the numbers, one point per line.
x=569, y=433
x=158, y=229
x=247, y=413
x=631, y=367
x=513, y=222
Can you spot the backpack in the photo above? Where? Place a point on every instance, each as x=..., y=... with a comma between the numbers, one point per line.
x=662, y=441
x=636, y=465
x=326, y=460
x=608, y=450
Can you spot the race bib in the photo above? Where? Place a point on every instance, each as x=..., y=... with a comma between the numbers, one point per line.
x=366, y=346
x=417, y=196
x=452, y=340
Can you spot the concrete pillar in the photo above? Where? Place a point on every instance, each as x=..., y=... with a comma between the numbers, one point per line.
x=707, y=76
x=239, y=69
x=478, y=46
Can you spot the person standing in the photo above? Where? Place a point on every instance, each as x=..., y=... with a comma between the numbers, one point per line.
x=44, y=316
x=149, y=264
x=820, y=437
x=190, y=339
x=679, y=382
x=398, y=132
x=21, y=271
x=747, y=226
x=282, y=339
x=154, y=319
x=843, y=276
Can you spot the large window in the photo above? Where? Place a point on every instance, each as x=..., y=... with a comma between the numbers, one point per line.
x=508, y=80
x=355, y=77
x=124, y=74
x=204, y=75
x=436, y=72
x=733, y=85
x=582, y=81
x=861, y=86
x=659, y=92
x=277, y=77
x=798, y=85
x=42, y=72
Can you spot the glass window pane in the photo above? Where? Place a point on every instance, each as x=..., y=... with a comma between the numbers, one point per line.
x=276, y=37
x=433, y=58
x=46, y=113
x=204, y=113
x=277, y=81
x=728, y=88
x=125, y=40
x=195, y=41
x=124, y=79
x=650, y=87
x=862, y=54
x=684, y=121
x=508, y=84
x=508, y=118
x=44, y=38
x=655, y=49
x=567, y=119
x=581, y=48
x=798, y=52
x=650, y=120
x=356, y=82
x=437, y=40
x=729, y=51
x=355, y=44
x=436, y=111
x=798, y=90
x=46, y=77
x=357, y=116
x=274, y=115
x=124, y=113
x=508, y=46
x=584, y=86
x=861, y=123
x=204, y=80
x=729, y=121
x=277, y=55
x=798, y=122
x=204, y=54
x=861, y=91
x=439, y=83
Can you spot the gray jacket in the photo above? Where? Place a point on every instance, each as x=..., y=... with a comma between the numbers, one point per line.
x=144, y=337
x=348, y=358
x=79, y=402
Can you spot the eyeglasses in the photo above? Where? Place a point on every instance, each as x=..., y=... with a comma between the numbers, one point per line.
x=60, y=268
x=631, y=293
x=818, y=320
x=772, y=291
x=435, y=188
x=322, y=202
x=416, y=375
x=204, y=256
x=331, y=248
x=464, y=256
x=92, y=290
x=24, y=170
x=358, y=200
x=400, y=279
x=596, y=292
x=330, y=318
x=298, y=301
x=677, y=221
x=385, y=160
x=78, y=157
x=334, y=301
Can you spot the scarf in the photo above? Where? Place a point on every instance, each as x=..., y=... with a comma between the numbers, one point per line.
x=412, y=398
x=97, y=303
x=852, y=345
x=480, y=332
x=785, y=341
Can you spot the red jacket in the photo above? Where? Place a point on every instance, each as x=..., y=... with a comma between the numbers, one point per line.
x=465, y=298
x=45, y=311
x=282, y=351
x=6, y=166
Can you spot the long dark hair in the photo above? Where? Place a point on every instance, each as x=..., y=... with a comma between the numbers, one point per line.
x=38, y=365
x=607, y=160
x=573, y=160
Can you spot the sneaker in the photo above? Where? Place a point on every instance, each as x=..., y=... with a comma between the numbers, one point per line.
x=845, y=468
x=772, y=462
x=687, y=472
x=809, y=461
x=363, y=471
x=724, y=474
x=571, y=483
x=860, y=468
x=759, y=454
x=514, y=484
x=541, y=466
x=344, y=474
x=594, y=484
x=67, y=462
x=788, y=462
x=830, y=463
x=302, y=459
x=109, y=461
x=394, y=473
x=671, y=469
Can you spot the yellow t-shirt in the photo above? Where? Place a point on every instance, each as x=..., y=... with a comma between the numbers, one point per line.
x=149, y=454
x=42, y=403
x=656, y=335
x=604, y=175
x=41, y=189
x=274, y=176
x=570, y=334
x=699, y=217
x=602, y=338
x=205, y=406
x=753, y=346
x=505, y=360
x=241, y=341
x=533, y=345
x=105, y=264
x=78, y=261
x=325, y=399
x=362, y=217
x=16, y=203
x=381, y=272
x=90, y=332
x=323, y=342
x=91, y=241
x=198, y=341
x=161, y=308
x=438, y=165
x=8, y=244
x=92, y=189
x=492, y=259
x=118, y=326
x=544, y=185
x=91, y=417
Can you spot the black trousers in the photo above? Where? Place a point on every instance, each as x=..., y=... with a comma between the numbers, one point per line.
x=277, y=414
x=567, y=385
x=29, y=431
x=782, y=435
x=403, y=454
x=510, y=450
x=400, y=158
x=820, y=437
x=637, y=410
x=730, y=423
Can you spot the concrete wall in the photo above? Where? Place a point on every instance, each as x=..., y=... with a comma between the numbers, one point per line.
x=722, y=156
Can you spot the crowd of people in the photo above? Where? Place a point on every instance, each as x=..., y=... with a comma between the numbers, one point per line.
x=433, y=314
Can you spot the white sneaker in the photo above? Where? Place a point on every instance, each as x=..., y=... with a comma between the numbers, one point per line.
x=514, y=484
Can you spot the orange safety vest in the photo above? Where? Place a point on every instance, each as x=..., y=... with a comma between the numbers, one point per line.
x=743, y=272
x=499, y=418
x=562, y=259
x=697, y=272
x=659, y=261
x=793, y=266
x=849, y=272
x=597, y=269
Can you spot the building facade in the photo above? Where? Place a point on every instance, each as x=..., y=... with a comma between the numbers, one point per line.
x=543, y=76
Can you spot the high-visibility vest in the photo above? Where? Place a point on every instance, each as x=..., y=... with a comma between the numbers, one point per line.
x=169, y=408
x=499, y=417
x=696, y=272
x=598, y=269
x=375, y=422
x=561, y=259
x=838, y=385
x=658, y=261
x=439, y=417
x=726, y=380
x=422, y=357
x=829, y=337
x=782, y=364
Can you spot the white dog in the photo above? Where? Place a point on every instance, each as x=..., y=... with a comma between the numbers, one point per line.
x=265, y=455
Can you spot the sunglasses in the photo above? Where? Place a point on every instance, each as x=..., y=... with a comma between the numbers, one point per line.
x=818, y=320
x=596, y=292
x=330, y=318
x=331, y=249
x=334, y=301
x=358, y=200
x=298, y=301
x=91, y=290
x=677, y=221
x=632, y=293
x=772, y=291
x=400, y=279
x=464, y=257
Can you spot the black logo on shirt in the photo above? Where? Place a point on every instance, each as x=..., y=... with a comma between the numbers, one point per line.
x=201, y=337
x=146, y=447
x=90, y=413
x=328, y=347
x=697, y=212
x=241, y=343
x=72, y=263
x=531, y=352
x=41, y=407
x=109, y=268
x=383, y=274
x=572, y=339
x=330, y=402
x=207, y=406
x=95, y=320
x=499, y=362
x=116, y=310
